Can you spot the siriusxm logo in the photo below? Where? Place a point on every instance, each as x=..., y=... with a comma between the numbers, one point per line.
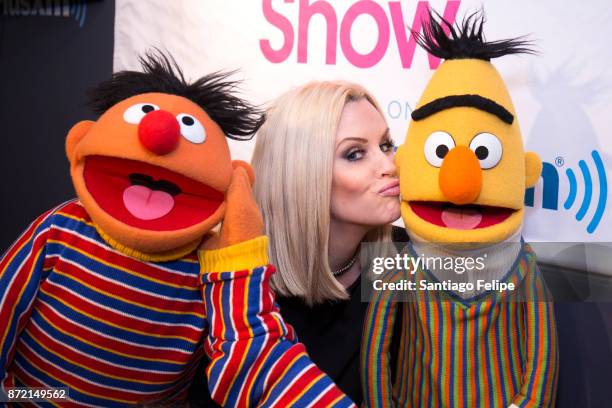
x=76, y=9
x=550, y=190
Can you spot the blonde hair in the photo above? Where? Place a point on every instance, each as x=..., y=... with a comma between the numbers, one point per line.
x=293, y=160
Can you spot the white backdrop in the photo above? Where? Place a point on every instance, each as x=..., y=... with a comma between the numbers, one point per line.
x=563, y=96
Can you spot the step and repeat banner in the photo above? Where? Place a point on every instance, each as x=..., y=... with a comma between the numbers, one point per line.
x=563, y=95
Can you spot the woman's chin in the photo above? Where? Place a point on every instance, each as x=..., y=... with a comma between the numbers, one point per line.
x=394, y=217
x=391, y=214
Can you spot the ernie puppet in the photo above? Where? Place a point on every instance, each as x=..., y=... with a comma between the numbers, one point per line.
x=103, y=295
x=463, y=173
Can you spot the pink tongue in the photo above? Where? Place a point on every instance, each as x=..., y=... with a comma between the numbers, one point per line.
x=147, y=204
x=463, y=219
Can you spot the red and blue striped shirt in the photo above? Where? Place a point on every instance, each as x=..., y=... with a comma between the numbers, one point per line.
x=255, y=357
x=117, y=331
x=79, y=314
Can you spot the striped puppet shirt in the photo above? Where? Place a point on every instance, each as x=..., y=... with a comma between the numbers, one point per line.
x=490, y=351
x=255, y=356
x=113, y=329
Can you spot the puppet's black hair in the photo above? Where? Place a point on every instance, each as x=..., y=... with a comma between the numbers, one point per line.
x=466, y=40
x=215, y=93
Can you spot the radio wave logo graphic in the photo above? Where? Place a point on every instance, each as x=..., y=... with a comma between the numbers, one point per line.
x=588, y=191
x=550, y=194
x=78, y=11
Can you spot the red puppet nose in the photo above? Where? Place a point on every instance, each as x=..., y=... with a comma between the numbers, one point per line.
x=159, y=132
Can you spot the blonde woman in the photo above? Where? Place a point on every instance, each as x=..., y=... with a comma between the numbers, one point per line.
x=326, y=182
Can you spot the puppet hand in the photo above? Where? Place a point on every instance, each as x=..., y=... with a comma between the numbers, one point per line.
x=242, y=220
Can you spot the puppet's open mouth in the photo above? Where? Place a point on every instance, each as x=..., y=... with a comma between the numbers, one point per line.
x=146, y=196
x=462, y=217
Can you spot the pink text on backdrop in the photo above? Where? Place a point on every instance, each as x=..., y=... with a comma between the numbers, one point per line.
x=405, y=42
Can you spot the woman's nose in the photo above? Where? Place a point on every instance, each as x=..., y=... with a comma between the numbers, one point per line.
x=387, y=166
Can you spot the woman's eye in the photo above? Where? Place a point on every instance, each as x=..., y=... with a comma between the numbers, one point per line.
x=353, y=155
x=387, y=146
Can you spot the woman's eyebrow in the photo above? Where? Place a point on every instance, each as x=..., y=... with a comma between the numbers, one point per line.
x=350, y=139
x=354, y=139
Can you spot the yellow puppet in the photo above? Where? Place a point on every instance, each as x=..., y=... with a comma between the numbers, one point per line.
x=463, y=174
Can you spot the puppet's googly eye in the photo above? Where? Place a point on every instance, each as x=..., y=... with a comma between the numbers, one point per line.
x=437, y=146
x=191, y=128
x=488, y=149
x=135, y=113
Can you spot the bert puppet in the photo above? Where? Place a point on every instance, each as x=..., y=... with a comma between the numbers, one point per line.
x=463, y=173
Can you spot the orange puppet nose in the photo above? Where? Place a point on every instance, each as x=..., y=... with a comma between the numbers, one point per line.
x=159, y=132
x=460, y=176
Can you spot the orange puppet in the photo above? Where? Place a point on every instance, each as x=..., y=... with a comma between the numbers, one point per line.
x=101, y=295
